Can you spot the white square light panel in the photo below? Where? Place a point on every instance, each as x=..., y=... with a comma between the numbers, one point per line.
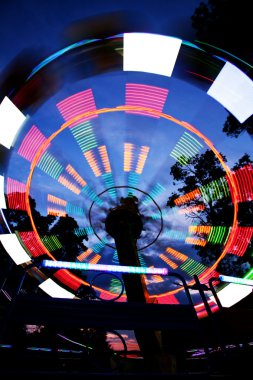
x=234, y=90
x=150, y=53
x=2, y=197
x=11, y=119
x=54, y=290
x=232, y=294
x=14, y=248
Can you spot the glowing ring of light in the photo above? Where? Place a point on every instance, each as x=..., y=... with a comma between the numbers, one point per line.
x=144, y=192
x=184, y=124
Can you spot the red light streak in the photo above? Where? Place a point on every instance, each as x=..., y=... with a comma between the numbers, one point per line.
x=16, y=194
x=241, y=239
x=243, y=178
x=33, y=244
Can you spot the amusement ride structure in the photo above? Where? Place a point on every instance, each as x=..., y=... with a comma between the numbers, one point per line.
x=96, y=138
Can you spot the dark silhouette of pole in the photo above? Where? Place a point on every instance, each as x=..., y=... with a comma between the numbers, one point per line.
x=124, y=224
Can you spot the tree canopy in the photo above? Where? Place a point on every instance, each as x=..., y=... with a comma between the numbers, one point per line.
x=226, y=25
x=213, y=205
x=63, y=228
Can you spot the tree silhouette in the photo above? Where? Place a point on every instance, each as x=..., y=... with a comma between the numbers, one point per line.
x=198, y=172
x=19, y=220
x=233, y=128
x=216, y=22
x=72, y=245
x=62, y=227
x=226, y=24
x=204, y=172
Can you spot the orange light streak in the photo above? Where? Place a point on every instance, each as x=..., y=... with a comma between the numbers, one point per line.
x=128, y=156
x=142, y=159
x=84, y=255
x=195, y=241
x=65, y=182
x=168, y=261
x=178, y=255
x=75, y=175
x=105, y=159
x=56, y=200
x=187, y=210
x=187, y=197
x=200, y=229
x=55, y=212
x=95, y=259
x=92, y=162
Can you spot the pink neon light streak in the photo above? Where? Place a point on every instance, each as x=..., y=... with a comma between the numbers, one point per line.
x=145, y=96
x=31, y=143
x=76, y=105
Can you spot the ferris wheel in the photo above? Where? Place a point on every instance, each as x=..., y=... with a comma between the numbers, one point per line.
x=133, y=116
